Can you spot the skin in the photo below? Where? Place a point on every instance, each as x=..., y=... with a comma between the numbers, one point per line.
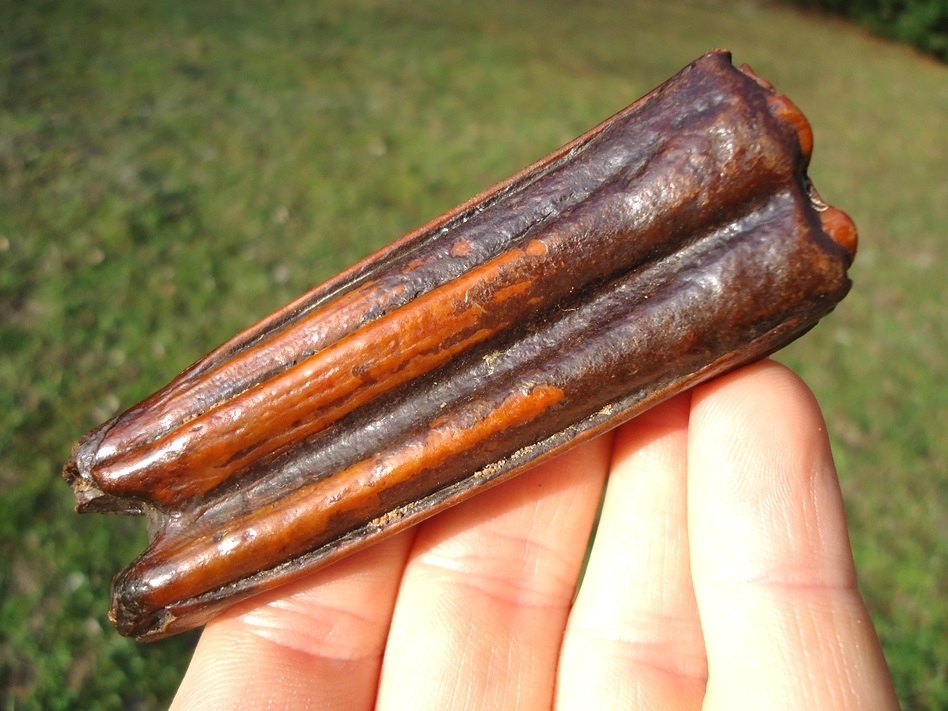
x=721, y=577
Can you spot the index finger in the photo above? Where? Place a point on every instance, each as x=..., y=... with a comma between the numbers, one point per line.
x=783, y=621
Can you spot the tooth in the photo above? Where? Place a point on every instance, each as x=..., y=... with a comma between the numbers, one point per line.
x=675, y=241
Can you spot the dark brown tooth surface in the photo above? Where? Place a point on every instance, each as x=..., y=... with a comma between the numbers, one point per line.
x=675, y=241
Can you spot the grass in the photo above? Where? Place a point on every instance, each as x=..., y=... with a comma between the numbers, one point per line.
x=171, y=172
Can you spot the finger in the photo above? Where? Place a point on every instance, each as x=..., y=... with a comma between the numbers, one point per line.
x=314, y=644
x=634, y=639
x=483, y=602
x=784, y=624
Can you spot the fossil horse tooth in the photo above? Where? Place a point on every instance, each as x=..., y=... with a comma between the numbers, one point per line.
x=673, y=242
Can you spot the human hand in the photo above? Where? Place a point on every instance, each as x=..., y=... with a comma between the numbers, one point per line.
x=721, y=578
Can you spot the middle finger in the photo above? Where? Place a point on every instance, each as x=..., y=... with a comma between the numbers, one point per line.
x=634, y=639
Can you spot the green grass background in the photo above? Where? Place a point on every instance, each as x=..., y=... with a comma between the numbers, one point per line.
x=170, y=172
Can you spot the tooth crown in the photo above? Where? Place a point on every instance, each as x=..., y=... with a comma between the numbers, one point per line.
x=676, y=240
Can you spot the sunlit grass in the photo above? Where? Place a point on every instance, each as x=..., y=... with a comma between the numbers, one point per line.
x=170, y=172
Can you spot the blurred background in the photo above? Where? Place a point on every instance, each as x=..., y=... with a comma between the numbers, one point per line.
x=171, y=172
